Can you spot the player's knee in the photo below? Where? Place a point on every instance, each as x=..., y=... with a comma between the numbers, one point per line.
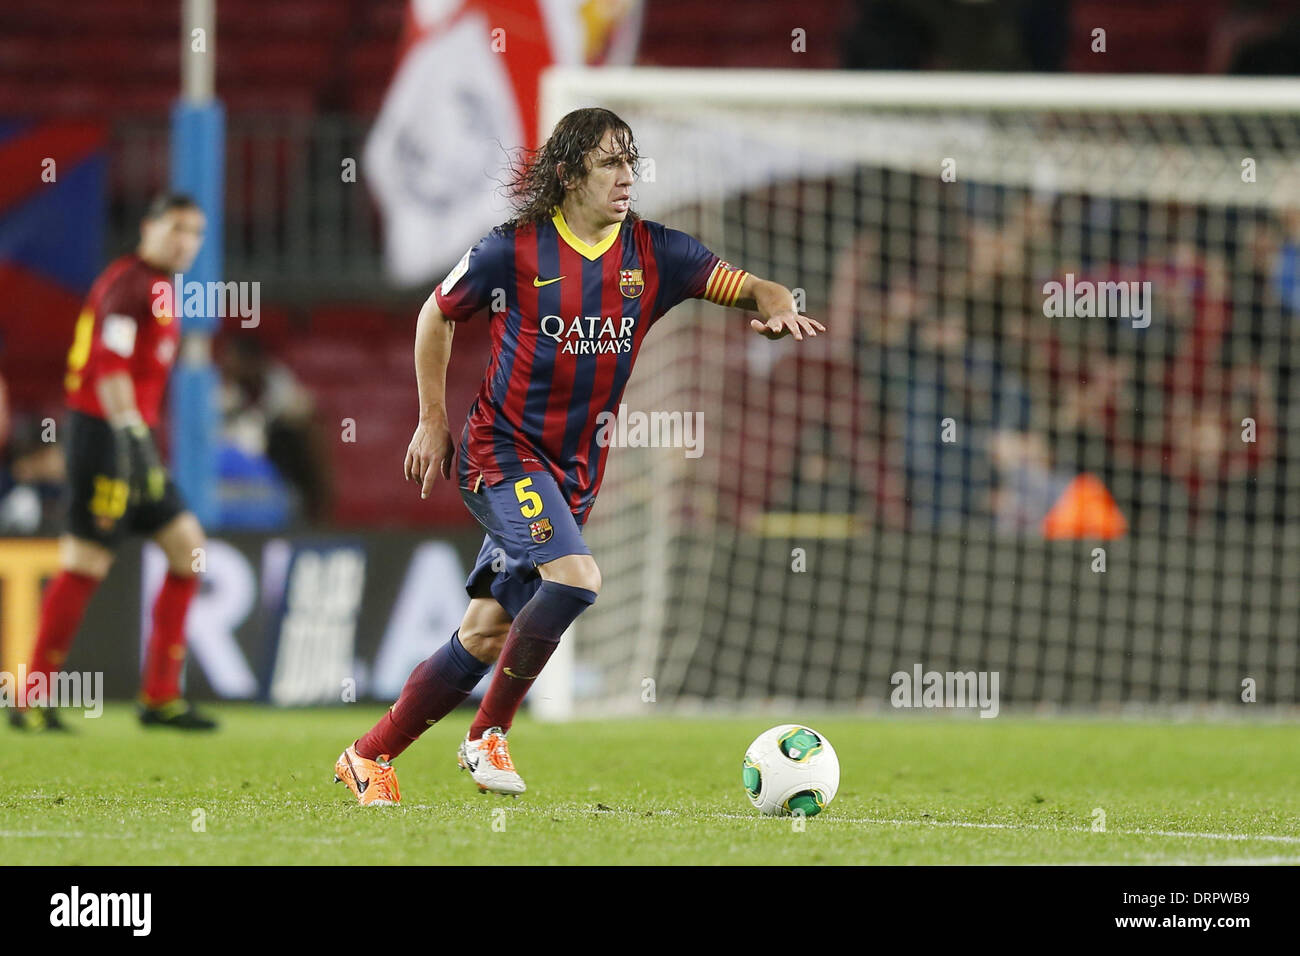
x=185, y=545
x=192, y=537
x=591, y=579
x=188, y=559
x=588, y=576
x=85, y=557
x=484, y=643
x=574, y=570
x=483, y=629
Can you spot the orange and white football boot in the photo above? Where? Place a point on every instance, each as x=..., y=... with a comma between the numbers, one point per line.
x=488, y=762
x=372, y=782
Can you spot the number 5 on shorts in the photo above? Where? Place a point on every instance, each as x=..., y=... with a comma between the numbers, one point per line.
x=530, y=502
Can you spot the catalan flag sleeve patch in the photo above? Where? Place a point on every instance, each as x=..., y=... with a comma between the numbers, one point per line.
x=723, y=287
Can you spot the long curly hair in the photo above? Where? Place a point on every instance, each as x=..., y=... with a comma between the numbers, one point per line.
x=538, y=177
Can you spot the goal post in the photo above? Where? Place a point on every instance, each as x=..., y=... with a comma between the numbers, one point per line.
x=1045, y=435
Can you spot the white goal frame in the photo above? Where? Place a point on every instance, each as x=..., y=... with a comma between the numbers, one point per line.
x=567, y=88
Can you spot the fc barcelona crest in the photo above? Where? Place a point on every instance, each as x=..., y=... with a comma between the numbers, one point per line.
x=541, y=530
x=630, y=283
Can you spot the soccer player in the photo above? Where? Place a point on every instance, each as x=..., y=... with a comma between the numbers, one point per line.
x=575, y=281
x=122, y=351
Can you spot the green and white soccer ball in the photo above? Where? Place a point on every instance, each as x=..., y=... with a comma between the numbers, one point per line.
x=791, y=768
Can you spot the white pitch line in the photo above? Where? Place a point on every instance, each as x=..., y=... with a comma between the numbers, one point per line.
x=824, y=821
x=955, y=824
x=1244, y=861
x=62, y=835
x=1267, y=837
x=1156, y=860
x=158, y=836
x=958, y=824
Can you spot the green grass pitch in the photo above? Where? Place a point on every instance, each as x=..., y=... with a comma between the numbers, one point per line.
x=655, y=791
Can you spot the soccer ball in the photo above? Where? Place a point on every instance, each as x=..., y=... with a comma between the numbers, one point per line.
x=791, y=768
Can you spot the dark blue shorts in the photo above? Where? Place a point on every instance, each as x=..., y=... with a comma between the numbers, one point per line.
x=528, y=523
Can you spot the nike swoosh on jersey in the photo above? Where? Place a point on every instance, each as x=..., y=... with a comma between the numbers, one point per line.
x=538, y=282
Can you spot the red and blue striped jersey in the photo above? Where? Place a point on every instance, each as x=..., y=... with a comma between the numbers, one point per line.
x=568, y=319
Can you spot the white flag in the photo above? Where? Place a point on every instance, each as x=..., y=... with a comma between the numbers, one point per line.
x=462, y=100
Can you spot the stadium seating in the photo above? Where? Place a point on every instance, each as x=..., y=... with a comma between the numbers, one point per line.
x=357, y=363
x=688, y=33
x=1184, y=27
x=304, y=55
x=120, y=57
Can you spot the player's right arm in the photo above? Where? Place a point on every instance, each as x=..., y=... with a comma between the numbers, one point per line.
x=431, y=449
x=468, y=288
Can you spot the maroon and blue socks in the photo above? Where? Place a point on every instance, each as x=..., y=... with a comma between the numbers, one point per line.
x=440, y=684
x=435, y=688
x=534, y=635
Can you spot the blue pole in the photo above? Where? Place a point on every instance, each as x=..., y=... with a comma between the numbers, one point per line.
x=198, y=168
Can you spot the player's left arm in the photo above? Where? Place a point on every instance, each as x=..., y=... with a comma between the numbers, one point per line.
x=138, y=462
x=706, y=276
x=775, y=303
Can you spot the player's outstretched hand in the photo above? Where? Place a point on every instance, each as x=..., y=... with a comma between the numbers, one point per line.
x=781, y=324
x=430, y=453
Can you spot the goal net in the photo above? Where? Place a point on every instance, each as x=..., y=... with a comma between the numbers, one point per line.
x=1045, y=435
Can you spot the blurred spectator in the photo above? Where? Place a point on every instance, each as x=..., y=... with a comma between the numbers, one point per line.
x=1157, y=412
x=1027, y=483
x=1257, y=38
x=959, y=398
x=867, y=330
x=1208, y=451
x=266, y=413
x=1180, y=419
x=31, y=483
x=4, y=413
x=1286, y=274
x=958, y=35
x=822, y=480
x=1262, y=342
